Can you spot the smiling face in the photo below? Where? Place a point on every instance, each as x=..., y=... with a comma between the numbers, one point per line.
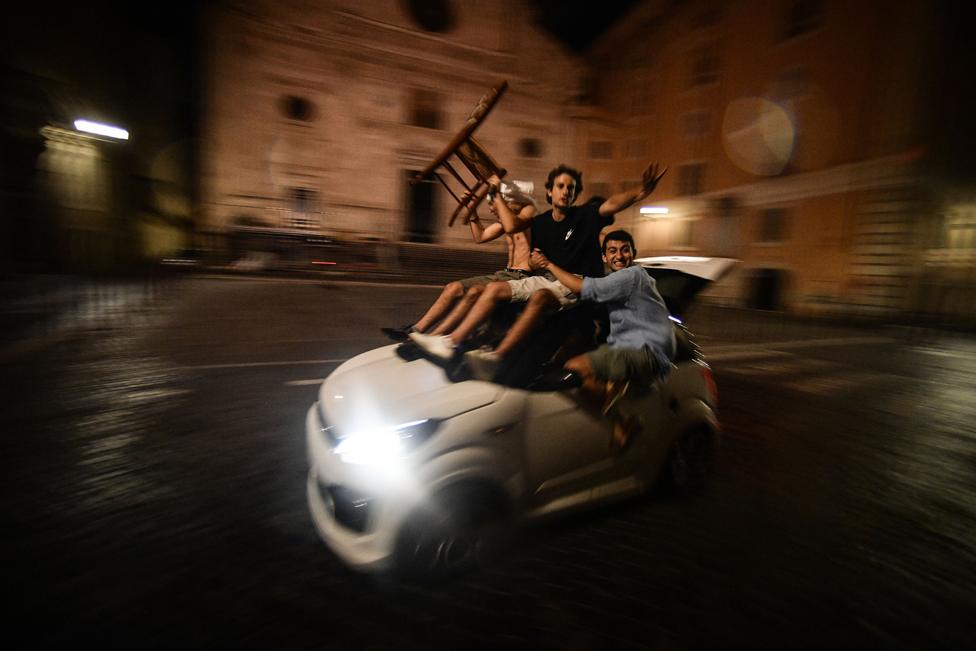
x=618, y=254
x=563, y=192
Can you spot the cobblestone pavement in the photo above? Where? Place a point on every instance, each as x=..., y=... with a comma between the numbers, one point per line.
x=154, y=469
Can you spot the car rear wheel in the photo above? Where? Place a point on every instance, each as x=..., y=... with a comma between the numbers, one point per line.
x=456, y=532
x=691, y=461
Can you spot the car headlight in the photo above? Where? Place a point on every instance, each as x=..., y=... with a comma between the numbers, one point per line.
x=384, y=444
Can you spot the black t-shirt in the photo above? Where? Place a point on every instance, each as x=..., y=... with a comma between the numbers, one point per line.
x=574, y=242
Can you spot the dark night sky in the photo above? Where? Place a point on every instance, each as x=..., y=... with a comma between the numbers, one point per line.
x=578, y=23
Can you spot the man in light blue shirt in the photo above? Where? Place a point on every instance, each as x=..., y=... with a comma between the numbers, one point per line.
x=640, y=345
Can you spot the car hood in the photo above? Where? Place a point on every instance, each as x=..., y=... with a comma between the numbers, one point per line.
x=380, y=388
x=680, y=277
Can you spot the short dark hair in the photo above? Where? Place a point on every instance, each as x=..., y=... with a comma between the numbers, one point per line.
x=564, y=169
x=620, y=236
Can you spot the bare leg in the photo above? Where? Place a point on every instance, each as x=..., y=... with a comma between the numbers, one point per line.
x=541, y=302
x=461, y=308
x=598, y=395
x=594, y=390
x=451, y=292
x=494, y=293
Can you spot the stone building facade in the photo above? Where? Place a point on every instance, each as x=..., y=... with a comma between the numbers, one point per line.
x=317, y=113
x=792, y=130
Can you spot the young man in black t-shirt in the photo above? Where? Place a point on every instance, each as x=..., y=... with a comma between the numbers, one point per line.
x=567, y=235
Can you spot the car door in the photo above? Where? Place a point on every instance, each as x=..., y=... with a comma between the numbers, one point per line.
x=567, y=448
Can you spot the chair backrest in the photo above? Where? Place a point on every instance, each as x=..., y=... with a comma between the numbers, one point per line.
x=473, y=156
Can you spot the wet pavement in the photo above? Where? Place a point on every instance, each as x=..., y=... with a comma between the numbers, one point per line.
x=154, y=469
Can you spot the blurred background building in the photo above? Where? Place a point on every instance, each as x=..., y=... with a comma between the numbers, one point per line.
x=317, y=114
x=793, y=131
x=72, y=201
x=823, y=143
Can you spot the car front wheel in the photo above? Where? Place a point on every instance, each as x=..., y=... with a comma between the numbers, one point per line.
x=456, y=532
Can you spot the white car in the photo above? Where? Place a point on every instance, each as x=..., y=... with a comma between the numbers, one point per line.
x=415, y=467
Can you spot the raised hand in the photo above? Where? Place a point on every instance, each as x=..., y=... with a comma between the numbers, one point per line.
x=650, y=178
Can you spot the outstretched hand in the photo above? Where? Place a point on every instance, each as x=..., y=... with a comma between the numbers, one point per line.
x=538, y=260
x=650, y=178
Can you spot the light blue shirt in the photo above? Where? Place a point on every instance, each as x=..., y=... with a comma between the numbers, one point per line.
x=638, y=315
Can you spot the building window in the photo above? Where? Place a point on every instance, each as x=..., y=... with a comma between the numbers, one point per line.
x=773, y=225
x=725, y=207
x=635, y=149
x=695, y=123
x=601, y=150
x=682, y=232
x=303, y=208
x=425, y=108
x=803, y=16
x=600, y=189
x=297, y=108
x=791, y=85
x=961, y=235
x=691, y=179
x=704, y=64
x=530, y=148
x=432, y=15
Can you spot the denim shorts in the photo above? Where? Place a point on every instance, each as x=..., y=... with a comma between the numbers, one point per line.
x=638, y=366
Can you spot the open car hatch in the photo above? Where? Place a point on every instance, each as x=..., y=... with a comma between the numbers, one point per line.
x=679, y=278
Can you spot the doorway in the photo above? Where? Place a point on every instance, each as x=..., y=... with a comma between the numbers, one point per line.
x=767, y=289
x=420, y=208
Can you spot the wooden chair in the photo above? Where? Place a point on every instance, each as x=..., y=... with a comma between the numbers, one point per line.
x=473, y=156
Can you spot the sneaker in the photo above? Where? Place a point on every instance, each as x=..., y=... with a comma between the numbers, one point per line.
x=483, y=363
x=440, y=346
x=398, y=334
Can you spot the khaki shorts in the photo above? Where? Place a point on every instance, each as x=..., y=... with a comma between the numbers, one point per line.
x=639, y=367
x=504, y=274
x=526, y=287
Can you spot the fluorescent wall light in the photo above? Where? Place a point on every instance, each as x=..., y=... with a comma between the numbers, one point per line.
x=653, y=210
x=101, y=129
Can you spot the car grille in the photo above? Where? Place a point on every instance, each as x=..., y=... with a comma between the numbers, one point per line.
x=349, y=508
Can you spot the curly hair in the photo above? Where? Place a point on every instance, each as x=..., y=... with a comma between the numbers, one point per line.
x=564, y=169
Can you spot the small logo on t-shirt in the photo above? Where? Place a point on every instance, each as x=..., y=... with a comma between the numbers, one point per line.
x=568, y=233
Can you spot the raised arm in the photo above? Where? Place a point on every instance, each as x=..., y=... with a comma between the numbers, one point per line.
x=626, y=199
x=572, y=281
x=481, y=234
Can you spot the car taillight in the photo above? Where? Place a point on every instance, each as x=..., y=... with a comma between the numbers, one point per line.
x=710, y=385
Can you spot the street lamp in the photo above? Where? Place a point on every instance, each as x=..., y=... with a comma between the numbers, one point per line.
x=100, y=129
x=653, y=210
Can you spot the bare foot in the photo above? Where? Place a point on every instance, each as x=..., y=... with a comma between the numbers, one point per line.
x=623, y=434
